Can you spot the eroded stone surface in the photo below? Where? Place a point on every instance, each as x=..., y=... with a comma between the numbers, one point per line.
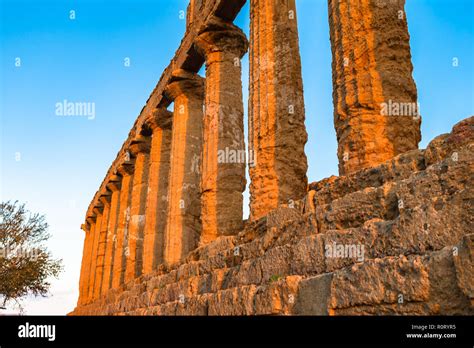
x=183, y=227
x=157, y=190
x=224, y=157
x=277, y=134
x=140, y=149
x=375, y=98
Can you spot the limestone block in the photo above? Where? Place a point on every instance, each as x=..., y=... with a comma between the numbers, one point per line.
x=380, y=281
x=278, y=297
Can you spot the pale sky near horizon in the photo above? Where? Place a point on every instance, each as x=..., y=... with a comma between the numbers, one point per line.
x=55, y=164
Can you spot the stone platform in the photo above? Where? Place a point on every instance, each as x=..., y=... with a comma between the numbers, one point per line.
x=396, y=238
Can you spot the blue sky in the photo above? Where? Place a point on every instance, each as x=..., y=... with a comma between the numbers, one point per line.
x=55, y=164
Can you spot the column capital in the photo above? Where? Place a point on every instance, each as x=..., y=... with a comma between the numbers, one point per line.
x=125, y=169
x=127, y=165
x=99, y=208
x=221, y=36
x=159, y=118
x=114, y=183
x=105, y=197
x=91, y=216
x=186, y=83
x=141, y=144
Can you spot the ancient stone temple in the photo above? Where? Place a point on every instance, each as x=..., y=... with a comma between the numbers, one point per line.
x=165, y=234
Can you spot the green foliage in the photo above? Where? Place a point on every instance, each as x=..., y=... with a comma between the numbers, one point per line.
x=25, y=263
x=275, y=278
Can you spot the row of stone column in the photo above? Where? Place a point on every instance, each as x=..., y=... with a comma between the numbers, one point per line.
x=124, y=234
x=372, y=71
x=182, y=179
x=174, y=189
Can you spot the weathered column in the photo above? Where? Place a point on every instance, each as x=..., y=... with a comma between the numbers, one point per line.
x=183, y=227
x=85, y=264
x=140, y=148
x=223, y=164
x=277, y=134
x=95, y=248
x=92, y=220
x=118, y=273
x=376, y=114
x=105, y=200
x=114, y=186
x=160, y=122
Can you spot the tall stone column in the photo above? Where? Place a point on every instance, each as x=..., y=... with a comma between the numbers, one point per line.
x=140, y=148
x=160, y=123
x=95, y=248
x=277, y=133
x=91, y=220
x=114, y=186
x=85, y=264
x=183, y=226
x=105, y=200
x=376, y=115
x=224, y=160
x=118, y=273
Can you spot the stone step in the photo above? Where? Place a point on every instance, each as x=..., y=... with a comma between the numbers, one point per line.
x=354, y=209
x=398, y=168
x=432, y=199
x=413, y=284
x=344, y=289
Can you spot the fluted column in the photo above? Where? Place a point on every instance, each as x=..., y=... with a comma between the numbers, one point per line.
x=184, y=207
x=95, y=248
x=223, y=166
x=376, y=115
x=277, y=133
x=105, y=200
x=118, y=273
x=140, y=148
x=114, y=186
x=85, y=264
x=160, y=123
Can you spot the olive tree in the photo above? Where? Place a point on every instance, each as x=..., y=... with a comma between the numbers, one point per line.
x=25, y=263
